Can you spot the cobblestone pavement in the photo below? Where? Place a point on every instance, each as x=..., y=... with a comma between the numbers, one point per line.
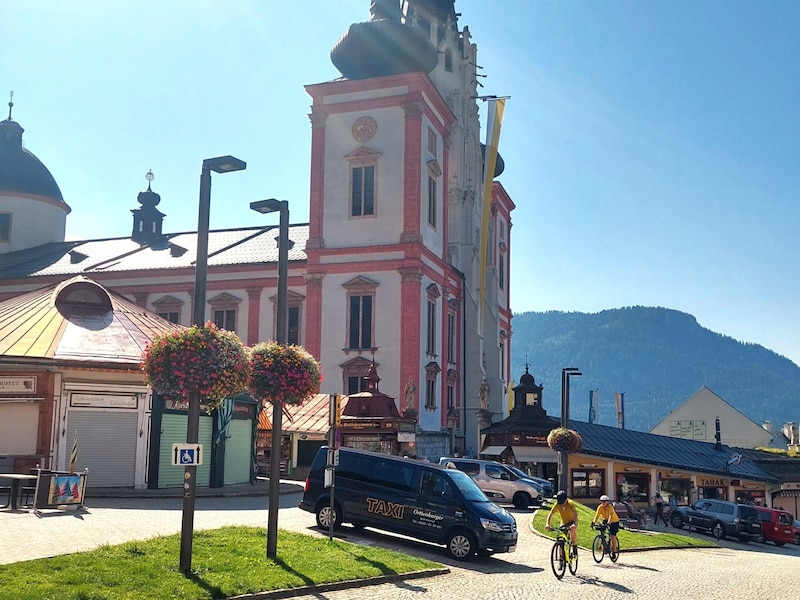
x=732, y=572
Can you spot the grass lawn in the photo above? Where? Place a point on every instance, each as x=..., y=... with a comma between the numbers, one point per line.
x=629, y=539
x=226, y=562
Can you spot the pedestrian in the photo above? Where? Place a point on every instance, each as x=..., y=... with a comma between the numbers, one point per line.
x=659, y=504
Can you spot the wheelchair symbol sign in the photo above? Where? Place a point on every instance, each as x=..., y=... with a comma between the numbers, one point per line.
x=187, y=455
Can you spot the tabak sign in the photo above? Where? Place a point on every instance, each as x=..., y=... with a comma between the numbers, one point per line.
x=711, y=482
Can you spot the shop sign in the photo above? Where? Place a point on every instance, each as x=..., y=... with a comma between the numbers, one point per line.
x=711, y=482
x=17, y=385
x=102, y=401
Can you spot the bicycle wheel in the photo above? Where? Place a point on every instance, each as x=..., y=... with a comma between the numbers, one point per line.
x=598, y=550
x=573, y=560
x=613, y=553
x=557, y=560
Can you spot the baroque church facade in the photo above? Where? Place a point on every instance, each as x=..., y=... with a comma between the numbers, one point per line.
x=386, y=274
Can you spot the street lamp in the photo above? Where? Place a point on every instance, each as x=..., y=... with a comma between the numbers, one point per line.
x=220, y=164
x=282, y=207
x=566, y=373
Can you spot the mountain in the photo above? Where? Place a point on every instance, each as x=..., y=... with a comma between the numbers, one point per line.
x=658, y=357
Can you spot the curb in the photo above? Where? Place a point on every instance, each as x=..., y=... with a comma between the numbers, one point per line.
x=341, y=585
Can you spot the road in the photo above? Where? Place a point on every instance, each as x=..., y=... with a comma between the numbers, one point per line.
x=732, y=572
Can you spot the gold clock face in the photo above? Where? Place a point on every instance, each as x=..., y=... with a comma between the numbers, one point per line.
x=364, y=129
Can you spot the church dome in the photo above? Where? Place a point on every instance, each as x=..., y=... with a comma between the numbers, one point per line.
x=383, y=46
x=20, y=171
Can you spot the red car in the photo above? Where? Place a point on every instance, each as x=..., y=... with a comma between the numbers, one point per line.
x=777, y=526
x=797, y=531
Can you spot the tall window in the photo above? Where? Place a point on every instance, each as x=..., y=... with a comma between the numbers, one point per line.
x=451, y=338
x=224, y=309
x=293, y=325
x=360, y=334
x=172, y=317
x=430, y=346
x=432, y=371
x=431, y=201
x=448, y=60
x=5, y=227
x=356, y=385
x=362, y=201
x=169, y=308
x=501, y=272
x=432, y=141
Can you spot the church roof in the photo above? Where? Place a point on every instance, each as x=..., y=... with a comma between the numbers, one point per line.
x=20, y=170
x=249, y=245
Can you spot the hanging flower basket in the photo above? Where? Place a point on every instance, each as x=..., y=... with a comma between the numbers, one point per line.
x=283, y=373
x=205, y=359
x=562, y=439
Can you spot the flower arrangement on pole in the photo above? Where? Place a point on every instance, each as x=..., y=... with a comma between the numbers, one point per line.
x=284, y=373
x=562, y=439
x=207, y=360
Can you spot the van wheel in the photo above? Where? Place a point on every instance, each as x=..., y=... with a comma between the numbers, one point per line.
x=522, y=500
x=718, y=530
x=461, y=544
x=676, y=521
x=761, y=539
x=325, y=515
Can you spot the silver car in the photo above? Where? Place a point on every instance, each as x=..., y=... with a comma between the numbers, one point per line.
x=499, y=482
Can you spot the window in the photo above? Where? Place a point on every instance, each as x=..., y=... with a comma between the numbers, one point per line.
x=172, y=317
x=588, y=483
x=169, y=308
x=354, y=372
x=448, y=60
x=293, y=325
x=431, y=201
x=432, y=371
x=451, y=338
x=451, y=394
x=360, y=316
x=5, y=227
x=633, y=486
x=501, y=272
x=432, y=141
x=356, y=385
x=430, y=345
x=225, y=319
x=362, y=200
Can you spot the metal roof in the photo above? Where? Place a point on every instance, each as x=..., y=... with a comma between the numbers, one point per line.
x=77, y=320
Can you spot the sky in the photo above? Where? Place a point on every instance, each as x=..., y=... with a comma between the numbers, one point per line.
x=651, y=147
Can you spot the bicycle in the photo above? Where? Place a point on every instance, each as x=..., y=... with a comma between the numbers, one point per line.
x=602, y=544
x=562, y=554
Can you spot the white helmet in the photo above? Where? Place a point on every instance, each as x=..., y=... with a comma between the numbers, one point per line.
x=604, y=497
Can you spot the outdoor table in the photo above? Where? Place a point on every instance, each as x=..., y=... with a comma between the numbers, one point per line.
x=16, y=482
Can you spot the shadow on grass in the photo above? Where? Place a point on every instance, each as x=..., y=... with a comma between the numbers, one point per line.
x=213, y=590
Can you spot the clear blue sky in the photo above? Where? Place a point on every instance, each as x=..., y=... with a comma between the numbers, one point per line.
x=651, y=147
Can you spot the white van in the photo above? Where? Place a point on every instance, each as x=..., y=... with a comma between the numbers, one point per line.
x=499, y=482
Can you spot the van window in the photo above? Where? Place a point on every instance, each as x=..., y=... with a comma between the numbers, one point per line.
x=468, y=467
x=391, y=475
x=433, y=485
x=725, y=509
x=496, y=472
x=355, y=467
x=785, y=519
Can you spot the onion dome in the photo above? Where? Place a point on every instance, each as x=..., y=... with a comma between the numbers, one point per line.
x=20, y=170
x=499, y=165
x=383, y=46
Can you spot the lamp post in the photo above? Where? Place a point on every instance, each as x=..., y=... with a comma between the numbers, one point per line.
x=563, y=458
x=220, y=164
x=282, y=207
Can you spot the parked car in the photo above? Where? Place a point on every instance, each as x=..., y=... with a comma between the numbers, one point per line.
x=547, y=485
x=409, y=497
x=797, y=531
x=777, y=526
x=719, y=517
x=499, y=482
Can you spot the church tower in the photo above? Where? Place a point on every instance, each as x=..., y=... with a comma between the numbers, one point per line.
x=395, y=209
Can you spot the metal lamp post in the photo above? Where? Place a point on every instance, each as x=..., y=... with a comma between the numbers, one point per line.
x=566, y=373
x=221, y=164
x=282, y=207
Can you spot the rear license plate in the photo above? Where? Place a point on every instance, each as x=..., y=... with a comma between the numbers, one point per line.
x=512, y=548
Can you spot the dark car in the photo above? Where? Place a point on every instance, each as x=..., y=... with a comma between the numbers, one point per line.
x=719, y=517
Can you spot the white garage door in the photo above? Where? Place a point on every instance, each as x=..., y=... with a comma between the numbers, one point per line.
x=106, y=446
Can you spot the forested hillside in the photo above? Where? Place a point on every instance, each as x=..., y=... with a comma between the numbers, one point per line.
x=658, y=357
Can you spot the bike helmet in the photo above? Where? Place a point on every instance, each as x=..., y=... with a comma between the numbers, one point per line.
x=561, y=497
x=604, y=497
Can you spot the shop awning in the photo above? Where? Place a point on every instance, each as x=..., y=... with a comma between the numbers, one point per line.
x=493, y=450
x=537, y=454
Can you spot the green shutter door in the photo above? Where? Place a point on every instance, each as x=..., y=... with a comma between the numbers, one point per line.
x=173, y=431
x=239, y=451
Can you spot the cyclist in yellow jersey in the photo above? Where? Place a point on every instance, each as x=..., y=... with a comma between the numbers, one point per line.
x=606, y=512
x=568, y=514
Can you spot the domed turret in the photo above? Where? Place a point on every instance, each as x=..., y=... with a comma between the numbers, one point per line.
x=20, y=170
x=32, y=209
x=383, y=46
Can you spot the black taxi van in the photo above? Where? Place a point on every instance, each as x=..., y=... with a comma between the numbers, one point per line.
x=402, y=495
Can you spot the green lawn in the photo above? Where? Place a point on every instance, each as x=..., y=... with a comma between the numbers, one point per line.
x=226, y=562
x=628, y=539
